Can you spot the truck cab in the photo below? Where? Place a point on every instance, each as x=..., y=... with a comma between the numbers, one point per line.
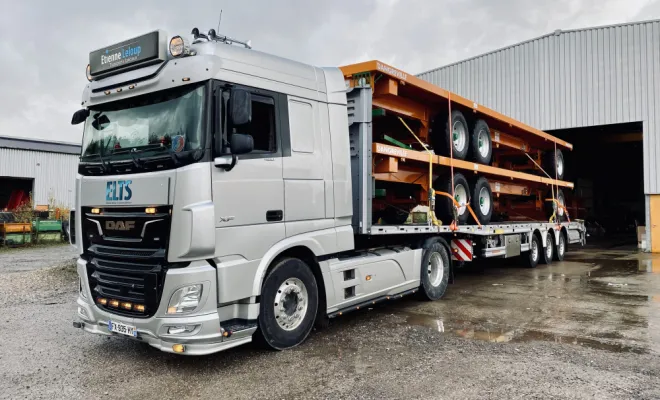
x=203, y=167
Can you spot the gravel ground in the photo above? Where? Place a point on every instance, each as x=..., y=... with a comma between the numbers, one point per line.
x=585, y=328
x=32, y=258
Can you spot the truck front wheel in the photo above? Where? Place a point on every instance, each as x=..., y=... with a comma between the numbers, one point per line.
x=289, y=301
x=435, y=271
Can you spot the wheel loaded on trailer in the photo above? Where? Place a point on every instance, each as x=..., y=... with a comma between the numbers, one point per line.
x=482, y=145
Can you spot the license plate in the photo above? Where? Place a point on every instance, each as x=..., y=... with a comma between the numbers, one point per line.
x=118, y=327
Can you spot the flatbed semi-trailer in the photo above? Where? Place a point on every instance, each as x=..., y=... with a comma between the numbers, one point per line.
x=224, y=193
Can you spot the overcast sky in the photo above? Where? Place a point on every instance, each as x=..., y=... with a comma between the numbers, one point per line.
x=45, y=44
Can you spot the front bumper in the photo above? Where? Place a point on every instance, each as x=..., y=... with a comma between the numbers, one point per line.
x=207, y=337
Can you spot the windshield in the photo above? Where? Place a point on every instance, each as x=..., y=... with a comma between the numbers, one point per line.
x=170, y=119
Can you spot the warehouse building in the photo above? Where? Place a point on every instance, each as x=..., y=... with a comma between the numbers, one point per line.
x=44, y=169
x=598, y=88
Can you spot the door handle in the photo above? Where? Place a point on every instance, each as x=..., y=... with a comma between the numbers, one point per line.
x=274, y=215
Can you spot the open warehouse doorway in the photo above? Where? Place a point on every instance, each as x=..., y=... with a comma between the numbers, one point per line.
x=14, y=191
x=607, y=168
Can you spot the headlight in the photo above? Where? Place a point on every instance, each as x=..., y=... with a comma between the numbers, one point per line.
x=89, y=72
x=185, y=300
x=178, y=46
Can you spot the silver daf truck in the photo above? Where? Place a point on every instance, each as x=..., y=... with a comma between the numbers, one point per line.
x=224, y=194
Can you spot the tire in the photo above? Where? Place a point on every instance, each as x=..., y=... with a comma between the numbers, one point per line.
x=534, y=253
x=548, y=250
x=550, y=206
x=560, y=249
x=461, y=143
x=434, y=276
x=482, y=200
x=482, y=145
x=555, y=167
x=444, y=207
x=279, y=287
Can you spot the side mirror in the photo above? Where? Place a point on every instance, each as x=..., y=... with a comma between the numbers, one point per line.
x=79, y=116
x=241, y=144
x=241, y=106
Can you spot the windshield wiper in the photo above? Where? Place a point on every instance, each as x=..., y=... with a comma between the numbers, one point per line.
x=173, y=155
x=106, y=166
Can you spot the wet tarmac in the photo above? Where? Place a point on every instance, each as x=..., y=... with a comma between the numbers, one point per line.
x=587, y=327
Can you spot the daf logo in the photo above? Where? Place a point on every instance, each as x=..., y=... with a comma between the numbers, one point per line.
x=119, y=225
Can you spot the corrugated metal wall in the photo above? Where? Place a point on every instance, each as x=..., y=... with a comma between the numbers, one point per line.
x=571, y=79
x=52, y=173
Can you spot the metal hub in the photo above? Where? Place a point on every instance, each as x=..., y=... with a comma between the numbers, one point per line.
x=435, y=269
x=459, y=136
x=290, y=305
x=484, y=201
x=461, y=197
x=482, y=143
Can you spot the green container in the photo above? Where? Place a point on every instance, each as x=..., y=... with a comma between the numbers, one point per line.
x=14, y=239
x=47, y=225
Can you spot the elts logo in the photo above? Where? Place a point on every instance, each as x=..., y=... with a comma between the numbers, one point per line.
x=118, y=191
x=121, y=53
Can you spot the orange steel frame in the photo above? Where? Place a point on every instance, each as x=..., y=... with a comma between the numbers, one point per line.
x=388, y=83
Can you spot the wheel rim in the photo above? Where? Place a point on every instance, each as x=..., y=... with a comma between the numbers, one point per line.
x=435, y=269
x=548, y=247
x=459, y=136
x=290, y=304
x=535, y=250
x=460, y=195
x=484, y=201
x=560, y=165
x=482, y=143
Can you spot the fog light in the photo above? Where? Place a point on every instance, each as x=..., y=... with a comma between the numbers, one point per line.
x=127, y=306
x=185, y=300
x=102, y=301
x=83, y=313
x=88, y=72
x=139, y=308
x=178, y=348
x=179, y=329
x=150, y=210
x=96, y=211
x=114, y=303
x=179, y=46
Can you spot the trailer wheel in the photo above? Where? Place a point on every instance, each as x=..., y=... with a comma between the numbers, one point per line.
x=560, y=251
x=534, y=253
x=482, y=200
x=549, y=249
x=482, y=146
x=551, y=207
x=457, y=136
x=554, y=165
x=434, y=275
x=444, y=207
x=289, y=300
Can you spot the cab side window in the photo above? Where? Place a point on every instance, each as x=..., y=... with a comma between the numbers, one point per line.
x=262, y=127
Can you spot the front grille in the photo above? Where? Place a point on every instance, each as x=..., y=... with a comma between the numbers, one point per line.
x=129, y=264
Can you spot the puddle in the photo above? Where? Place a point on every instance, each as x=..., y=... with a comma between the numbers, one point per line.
x=514, y=335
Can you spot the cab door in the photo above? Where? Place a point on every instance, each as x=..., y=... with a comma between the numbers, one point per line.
x=249, y=197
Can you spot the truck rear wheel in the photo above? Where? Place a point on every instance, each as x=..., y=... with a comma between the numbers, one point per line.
x=560, y=250
x=444, y=207
x=482, y=146
x=457, y=136
x=482, y=200
x=434, y=275
x=549, y=250
x=534, y=252
x=289, y=301
x=554, y=164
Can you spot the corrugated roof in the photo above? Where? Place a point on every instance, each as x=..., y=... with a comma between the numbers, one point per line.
x=555, y=33
x=39, y=145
